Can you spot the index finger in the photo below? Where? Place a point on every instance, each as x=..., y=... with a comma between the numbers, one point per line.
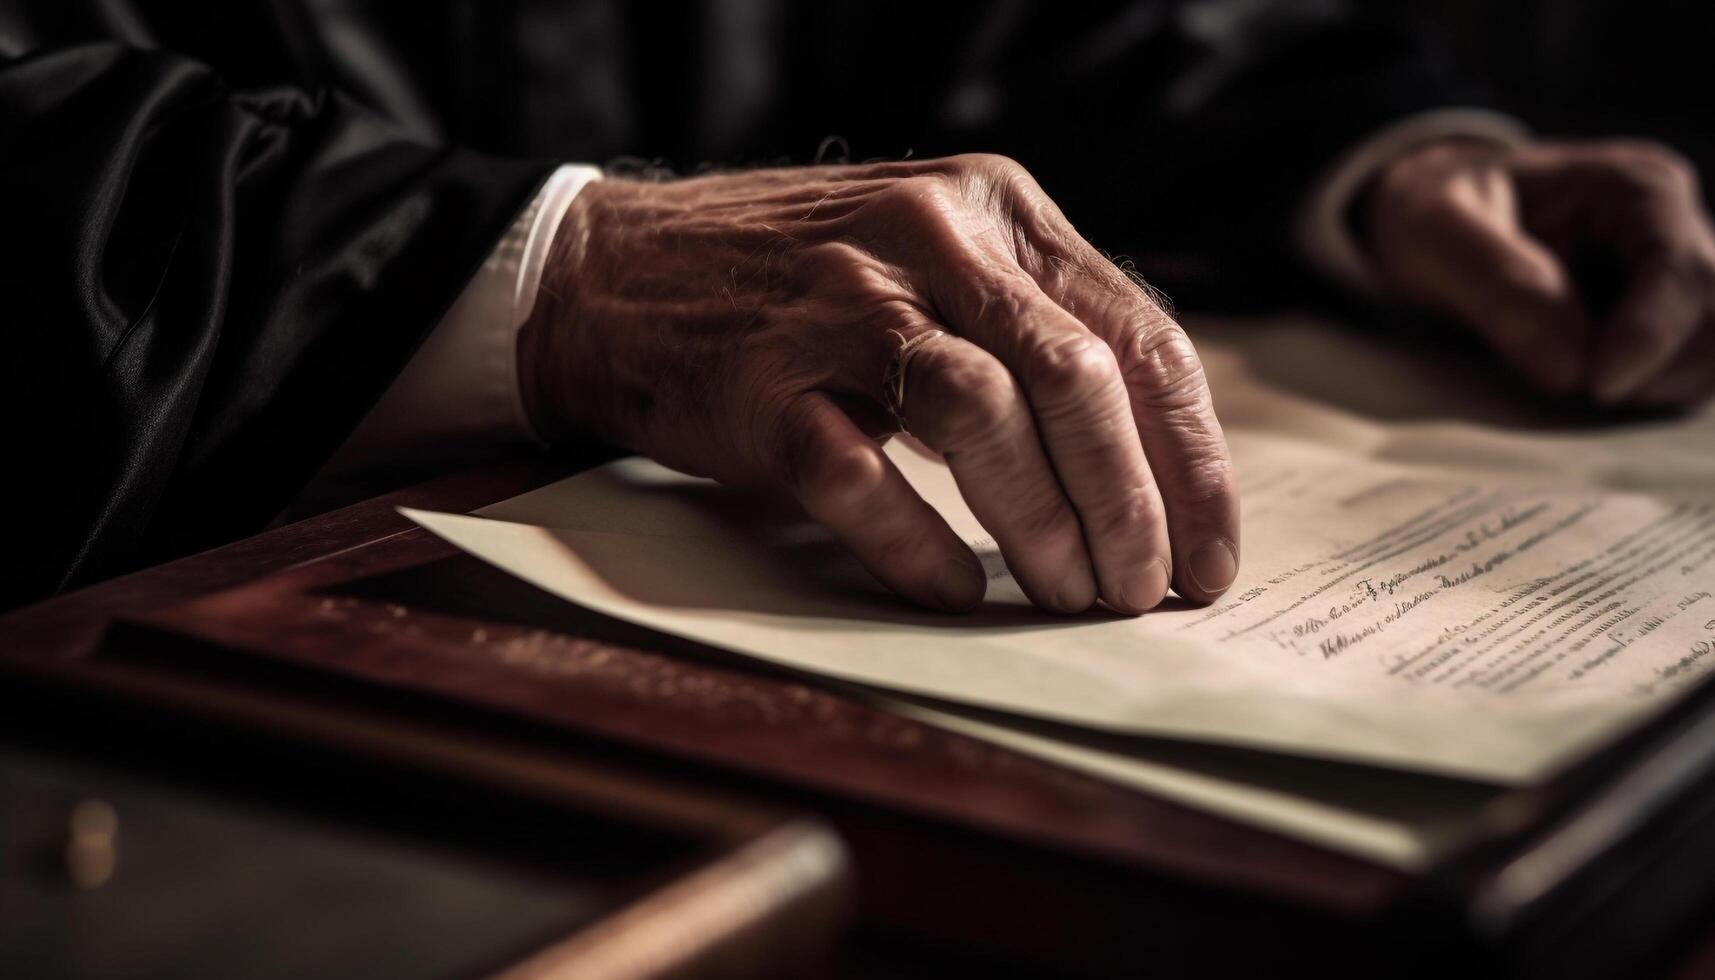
x=844, y=480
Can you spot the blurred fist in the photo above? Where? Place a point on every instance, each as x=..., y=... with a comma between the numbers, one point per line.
x=773, y=327
x=1589, y=266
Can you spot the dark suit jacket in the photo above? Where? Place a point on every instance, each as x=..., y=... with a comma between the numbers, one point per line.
x=228, y=223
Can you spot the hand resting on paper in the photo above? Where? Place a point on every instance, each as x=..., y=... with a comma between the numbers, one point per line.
x=1589, y=266
x=749, y=327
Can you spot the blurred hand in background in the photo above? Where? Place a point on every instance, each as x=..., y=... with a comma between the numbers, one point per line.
x=1588, y=266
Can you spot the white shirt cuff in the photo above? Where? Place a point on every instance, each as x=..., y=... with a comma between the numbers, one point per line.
x=458, y=398
x=1323, y=235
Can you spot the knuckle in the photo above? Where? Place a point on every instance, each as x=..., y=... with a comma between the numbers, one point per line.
x=922, y=198
x=844, y=477
x=826, y=473
x=848, y=271
x=1069, y=367
x=832, y=261
x=1161, y=366
x=981, y=399
x=828, y=257
x=990, y=164
x=999, y=182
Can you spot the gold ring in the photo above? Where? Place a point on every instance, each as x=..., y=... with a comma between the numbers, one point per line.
x=893, y=381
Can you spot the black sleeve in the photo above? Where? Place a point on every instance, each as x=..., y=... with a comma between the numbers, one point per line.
x=1186, y=134
x=207, y=286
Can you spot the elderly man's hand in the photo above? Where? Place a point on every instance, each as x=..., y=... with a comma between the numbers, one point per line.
x=741, y=326
x=1522, y=245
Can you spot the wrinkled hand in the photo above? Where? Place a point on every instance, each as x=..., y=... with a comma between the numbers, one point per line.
x=1589, y=266
x=740, y=326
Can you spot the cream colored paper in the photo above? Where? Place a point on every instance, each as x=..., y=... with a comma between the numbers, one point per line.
x=1423, y=588
x=1402, y=820
x=1350, y=633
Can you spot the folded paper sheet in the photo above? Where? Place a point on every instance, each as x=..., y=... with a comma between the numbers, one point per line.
x=1445, y=597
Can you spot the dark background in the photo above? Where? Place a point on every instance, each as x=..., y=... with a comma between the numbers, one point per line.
x=1593, y=67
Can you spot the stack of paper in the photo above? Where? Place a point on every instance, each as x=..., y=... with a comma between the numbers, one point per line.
x=1431, y=606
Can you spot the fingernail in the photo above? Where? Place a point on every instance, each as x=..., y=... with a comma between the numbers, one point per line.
x=1145, y=586
x=1213, y=567
x=959, y=585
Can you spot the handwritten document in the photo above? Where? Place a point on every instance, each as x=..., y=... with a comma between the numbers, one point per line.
x=1385, y=615
x=1438, y=596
